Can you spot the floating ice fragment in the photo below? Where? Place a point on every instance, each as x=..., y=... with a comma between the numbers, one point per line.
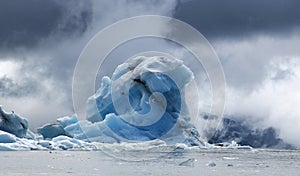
x=50, y=131
x=13, y=123
x=211, y=164
x=7, y=137
x=190, y=162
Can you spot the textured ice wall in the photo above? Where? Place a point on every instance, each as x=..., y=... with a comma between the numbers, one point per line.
x=143, y=100
x=13, y=123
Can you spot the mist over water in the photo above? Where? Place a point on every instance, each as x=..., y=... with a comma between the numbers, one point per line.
x=274, y=103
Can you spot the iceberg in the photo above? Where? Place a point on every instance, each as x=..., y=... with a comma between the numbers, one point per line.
x=76, y=137
x=7, y=137
x=49, y=131
x=144, y=100
x=141, y=106
x=13, y=123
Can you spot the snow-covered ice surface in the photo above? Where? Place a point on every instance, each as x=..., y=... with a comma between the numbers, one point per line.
x=194, y=163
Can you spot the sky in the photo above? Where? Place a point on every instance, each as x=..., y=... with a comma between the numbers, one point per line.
x=257, y=43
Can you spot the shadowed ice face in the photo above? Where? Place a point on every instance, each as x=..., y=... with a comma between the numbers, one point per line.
x=12, y=123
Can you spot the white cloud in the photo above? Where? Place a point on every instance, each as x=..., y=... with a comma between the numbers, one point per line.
x=263, y=75
x=8, y=68
x=246, y=60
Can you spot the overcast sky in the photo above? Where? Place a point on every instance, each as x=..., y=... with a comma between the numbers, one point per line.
x=258, y=43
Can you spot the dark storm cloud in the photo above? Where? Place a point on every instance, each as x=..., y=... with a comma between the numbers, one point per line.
x=216, y=18
x=45, y=38
x=26, y=23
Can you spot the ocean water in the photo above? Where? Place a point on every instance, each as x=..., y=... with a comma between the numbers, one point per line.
x=233, y=162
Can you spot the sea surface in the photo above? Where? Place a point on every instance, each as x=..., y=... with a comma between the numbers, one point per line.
x=202, y=162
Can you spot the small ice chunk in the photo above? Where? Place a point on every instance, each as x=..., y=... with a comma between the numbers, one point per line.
x=50, y=131
x=190, y=162
x=66, y=121
x=7, y=137
x=211, y=164
x=230, y=158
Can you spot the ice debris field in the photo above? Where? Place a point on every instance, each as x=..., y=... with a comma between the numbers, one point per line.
x=143, y=102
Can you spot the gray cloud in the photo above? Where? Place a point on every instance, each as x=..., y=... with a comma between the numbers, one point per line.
x=9, y=88
x=235, y=18
x=29, y=23
x=258, y=45
x=46, y=38
x=274, y=102
x=246, y=62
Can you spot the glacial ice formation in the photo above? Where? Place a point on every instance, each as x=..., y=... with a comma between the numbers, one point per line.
x=49, y=131
x=12, y=123
x=144, y=100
